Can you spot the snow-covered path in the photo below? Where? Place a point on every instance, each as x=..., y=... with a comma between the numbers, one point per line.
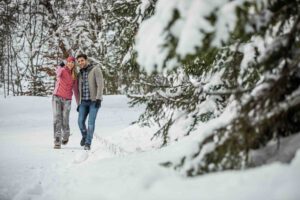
x=116, y=167
x=26, y=136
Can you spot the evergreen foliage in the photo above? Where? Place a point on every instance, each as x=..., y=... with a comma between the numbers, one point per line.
x=257, y=67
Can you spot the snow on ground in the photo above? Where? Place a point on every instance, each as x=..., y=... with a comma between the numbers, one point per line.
x=121, y=165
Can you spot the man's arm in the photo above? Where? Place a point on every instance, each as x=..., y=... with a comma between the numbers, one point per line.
x=99, y=82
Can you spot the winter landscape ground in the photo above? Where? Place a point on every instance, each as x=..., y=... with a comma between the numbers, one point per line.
x=123, y=162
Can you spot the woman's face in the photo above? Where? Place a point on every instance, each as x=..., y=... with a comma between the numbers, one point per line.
x=70, y=65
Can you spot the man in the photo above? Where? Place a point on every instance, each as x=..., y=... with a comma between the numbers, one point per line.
x=90, y=84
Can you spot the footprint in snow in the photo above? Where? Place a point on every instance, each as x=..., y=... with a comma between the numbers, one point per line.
x=33, y=192
x=80, y=157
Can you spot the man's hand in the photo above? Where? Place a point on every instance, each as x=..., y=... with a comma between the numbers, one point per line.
x=98, y=103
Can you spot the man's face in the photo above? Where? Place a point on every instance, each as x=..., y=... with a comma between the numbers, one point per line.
x=82, y=62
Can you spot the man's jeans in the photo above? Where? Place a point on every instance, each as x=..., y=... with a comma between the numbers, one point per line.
x=87, y=108
x=61, y=113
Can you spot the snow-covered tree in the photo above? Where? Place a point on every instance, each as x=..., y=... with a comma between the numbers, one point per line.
x=104, y=30
x=8, y=15
x=232, y=77
x=24, y=26
x=40, y=34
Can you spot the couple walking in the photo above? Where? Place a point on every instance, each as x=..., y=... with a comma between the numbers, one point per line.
x=87, y=87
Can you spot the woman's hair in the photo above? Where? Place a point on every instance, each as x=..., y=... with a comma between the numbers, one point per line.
x=74, y=73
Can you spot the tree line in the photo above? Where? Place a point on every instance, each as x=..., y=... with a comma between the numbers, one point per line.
x=37, y=35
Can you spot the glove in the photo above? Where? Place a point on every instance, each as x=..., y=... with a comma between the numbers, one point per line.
x=98, y=103
x=77, y=109
x=62, y=64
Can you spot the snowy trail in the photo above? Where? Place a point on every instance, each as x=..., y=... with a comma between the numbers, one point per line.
x=121, y=165
x=27, y=139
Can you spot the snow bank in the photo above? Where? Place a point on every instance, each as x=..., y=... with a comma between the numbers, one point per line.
x=283, y=150
x=32, y=169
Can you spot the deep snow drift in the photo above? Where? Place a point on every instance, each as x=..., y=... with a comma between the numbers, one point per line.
x=123, y=162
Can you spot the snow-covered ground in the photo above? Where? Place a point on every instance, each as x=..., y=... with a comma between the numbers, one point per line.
x=123, y=163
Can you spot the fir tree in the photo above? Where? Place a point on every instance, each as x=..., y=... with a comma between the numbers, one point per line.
x=251, y=46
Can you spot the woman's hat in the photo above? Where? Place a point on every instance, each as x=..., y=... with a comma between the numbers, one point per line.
x=71, y=59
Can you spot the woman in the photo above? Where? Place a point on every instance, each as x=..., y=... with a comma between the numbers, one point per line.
x=66, y=83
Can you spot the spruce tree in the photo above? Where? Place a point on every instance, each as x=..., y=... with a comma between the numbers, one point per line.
x=245, y=63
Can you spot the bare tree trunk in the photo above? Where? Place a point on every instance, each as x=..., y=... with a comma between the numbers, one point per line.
x=2, y=75
x=10, y=59
x=8, y=74
x=18, y=79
